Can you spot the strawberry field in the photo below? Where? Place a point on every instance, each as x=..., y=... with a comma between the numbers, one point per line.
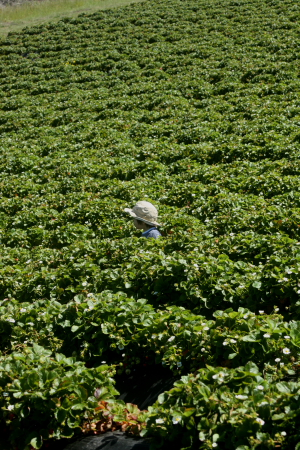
x=193, y=106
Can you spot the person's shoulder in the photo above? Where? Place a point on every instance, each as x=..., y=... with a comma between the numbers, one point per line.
x=154, y=233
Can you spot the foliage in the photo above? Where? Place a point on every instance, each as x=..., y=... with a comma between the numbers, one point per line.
x=192, y=105
x=231, y=408
x=45, y=396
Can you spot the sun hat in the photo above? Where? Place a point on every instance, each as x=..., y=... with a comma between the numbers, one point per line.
x=144, y=211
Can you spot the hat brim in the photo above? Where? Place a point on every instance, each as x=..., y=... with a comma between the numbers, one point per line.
x=134, y=216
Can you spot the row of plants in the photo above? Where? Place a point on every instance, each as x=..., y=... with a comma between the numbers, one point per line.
x=192, y=105
x=245, y=269
x=46, y=395
x=225, y=408
x=128, y=334
x=230, y=408
x=126, y=331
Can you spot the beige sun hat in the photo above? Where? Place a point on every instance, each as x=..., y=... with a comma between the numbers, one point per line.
x=144, y=211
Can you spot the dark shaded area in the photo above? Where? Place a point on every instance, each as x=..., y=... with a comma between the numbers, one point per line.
x=144, y=385
x=110, y=440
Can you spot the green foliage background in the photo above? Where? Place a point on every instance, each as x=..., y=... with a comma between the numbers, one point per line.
x=194, y=106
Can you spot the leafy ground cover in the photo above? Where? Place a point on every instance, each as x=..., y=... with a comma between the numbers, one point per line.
x=194, y=106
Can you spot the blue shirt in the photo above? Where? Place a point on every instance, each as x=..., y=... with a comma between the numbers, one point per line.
x=151, y=233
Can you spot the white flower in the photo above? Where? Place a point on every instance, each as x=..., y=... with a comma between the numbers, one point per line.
x=29, y=261
x=120, y=347
x=285, y=279
x=276, y=309
x=154, y=336
x=5, y=394
x=261, y=312
x=179, y=364
x=196, y=265
x=263, y=404
x=206, y=328
x=171, y=338
x=283, y=433
x=225, y=343
x=260, y=421
x=286, y=351
x=84, y=283
x=277, y=359
x=176, y=420
x=281, y=364
x=287, y=337
x=40, y=226
x=231, y=234
x=159, y=420
x=241, y=397
x=41, y=262
x=202, y=349
x=214, y=444
x=267, y=335
x=23, y=310
x=260, y=387
x=246, y=316
x=219, y=375
x=203, y=324
x=233, y=341
x=90, y=295
x=10, y=407
x=11, y=320
x=298, y=292
x=30, y=323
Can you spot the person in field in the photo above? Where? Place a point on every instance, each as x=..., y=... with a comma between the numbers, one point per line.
x=144, y=216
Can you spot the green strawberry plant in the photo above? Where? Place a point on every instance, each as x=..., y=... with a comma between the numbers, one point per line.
x=193, y=106
x=49, y=389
